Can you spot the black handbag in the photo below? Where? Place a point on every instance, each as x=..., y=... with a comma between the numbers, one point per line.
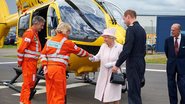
x=118, y=78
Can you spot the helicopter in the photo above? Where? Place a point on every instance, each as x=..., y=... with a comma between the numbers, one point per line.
x=88, y=18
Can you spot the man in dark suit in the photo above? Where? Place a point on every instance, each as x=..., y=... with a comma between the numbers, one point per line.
x=133, y=52
x=175, y=53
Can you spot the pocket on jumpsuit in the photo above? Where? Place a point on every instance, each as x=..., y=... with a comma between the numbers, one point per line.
x=28, y=79
x=51, y=73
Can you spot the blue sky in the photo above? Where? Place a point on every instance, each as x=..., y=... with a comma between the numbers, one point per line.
x=143, y=7
x=12, y=6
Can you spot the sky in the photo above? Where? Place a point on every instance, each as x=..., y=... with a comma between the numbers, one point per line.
x=12, y=6
x=142, y=7
x=153, y=7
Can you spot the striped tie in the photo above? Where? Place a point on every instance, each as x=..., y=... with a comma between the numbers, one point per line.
x=176, y=46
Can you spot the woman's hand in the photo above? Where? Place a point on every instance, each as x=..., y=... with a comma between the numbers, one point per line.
x=115, y=69
x=92, y=59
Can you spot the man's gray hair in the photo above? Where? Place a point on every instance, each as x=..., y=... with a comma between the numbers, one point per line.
x=37, y=19
x=177, y=25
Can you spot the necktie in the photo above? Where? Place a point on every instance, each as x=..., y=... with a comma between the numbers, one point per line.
x=176, y=46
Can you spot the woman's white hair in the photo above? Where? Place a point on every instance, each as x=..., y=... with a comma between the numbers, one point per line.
x=63, y=28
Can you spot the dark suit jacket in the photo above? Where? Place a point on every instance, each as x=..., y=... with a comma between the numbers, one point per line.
x=175, y=61
x=134, y=49
x=134, y=45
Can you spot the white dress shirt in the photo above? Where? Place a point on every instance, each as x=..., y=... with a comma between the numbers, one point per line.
x=178, y=40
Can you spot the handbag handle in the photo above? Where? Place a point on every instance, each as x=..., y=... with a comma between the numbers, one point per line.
x=120, y=70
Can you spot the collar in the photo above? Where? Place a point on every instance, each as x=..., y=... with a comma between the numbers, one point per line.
x=179, y=37
x=114, y=46
x=61, y=35
x=135, y=22
x=34, y=30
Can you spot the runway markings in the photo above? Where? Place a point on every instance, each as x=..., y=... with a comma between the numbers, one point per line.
x=3, y=63
x=42, y=89
x=1, y=87
x=152, y=70
x=156, y=70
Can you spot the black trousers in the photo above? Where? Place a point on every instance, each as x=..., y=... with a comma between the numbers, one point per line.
x=175, y=80
x=135, y=70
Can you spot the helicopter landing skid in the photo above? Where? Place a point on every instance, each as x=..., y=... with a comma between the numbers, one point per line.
x=87, y=79
x=18, y=72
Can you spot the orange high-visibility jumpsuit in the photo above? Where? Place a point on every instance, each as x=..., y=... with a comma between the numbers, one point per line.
x=54, y=57
x=28, y=54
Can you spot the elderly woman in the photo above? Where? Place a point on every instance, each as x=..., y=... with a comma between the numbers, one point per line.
x=54, y=58
x=109, y=51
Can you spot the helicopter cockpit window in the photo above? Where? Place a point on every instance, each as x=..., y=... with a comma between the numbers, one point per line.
x=52, y=21
x=115, y=12
x=86, y=19
x=23, y=24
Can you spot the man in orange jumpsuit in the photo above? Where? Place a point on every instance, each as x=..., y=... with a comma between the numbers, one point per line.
x=54, y=58
x=28, y=54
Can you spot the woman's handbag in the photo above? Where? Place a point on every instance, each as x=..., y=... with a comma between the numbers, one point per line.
x=118, y=78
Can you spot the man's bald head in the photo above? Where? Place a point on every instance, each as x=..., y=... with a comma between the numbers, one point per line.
x=176, y=25
x=175, y=29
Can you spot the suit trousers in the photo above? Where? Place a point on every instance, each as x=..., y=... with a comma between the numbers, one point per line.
x=135, y=70
x=173, y=84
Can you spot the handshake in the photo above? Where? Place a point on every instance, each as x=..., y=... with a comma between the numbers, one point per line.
x=92, y=58
x=107, y=65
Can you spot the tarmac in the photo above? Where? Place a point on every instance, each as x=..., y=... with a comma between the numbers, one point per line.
x=154, y=92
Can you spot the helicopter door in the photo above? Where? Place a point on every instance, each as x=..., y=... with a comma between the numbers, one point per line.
x=52, y=21
x=42, y=34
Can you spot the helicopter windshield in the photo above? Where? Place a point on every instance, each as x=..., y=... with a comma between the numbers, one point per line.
x=115, y=12
x=86, y=19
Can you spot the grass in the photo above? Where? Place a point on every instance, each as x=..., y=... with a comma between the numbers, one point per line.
x=11, y=56
x=150, y=58
x=10, y=46
x=155, y=58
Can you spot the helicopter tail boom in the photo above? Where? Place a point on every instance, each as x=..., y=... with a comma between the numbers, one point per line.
x=7, y=20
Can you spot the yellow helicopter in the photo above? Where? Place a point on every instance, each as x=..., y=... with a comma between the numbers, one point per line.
x=88, y=19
